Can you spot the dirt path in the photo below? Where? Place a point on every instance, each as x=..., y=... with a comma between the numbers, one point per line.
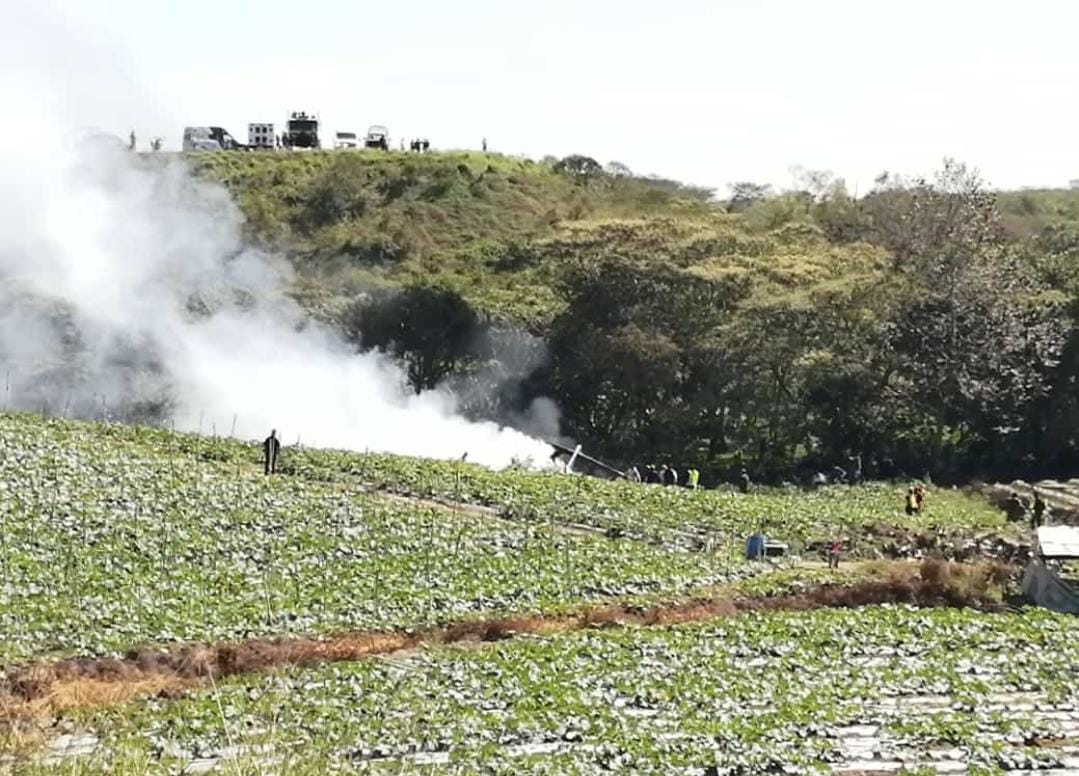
x=43, y=688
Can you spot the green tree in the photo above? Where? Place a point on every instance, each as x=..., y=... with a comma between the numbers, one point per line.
x=629, y=350
x=973, y=346
x=745, y=194
x=432, y=330
x=580, y=169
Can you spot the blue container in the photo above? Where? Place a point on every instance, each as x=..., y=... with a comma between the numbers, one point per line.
x=755, y=546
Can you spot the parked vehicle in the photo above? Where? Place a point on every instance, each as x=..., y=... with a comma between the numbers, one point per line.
x=302, y=131
x=343, y=140
x=377, y=137
x=210, y=139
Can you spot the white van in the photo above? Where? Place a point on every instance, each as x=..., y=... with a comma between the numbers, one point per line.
x=209, y=139
x=344, y=140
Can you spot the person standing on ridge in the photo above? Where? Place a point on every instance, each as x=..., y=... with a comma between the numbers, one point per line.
x=1037, y=514
x=485, y=145
x=271, y=451
x=131, y=144
x=744, y=481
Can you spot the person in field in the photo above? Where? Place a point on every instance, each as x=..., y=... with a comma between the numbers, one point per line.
x=744, y=482
x=912, y=501
x=834, y=549
x=271, y=452
x=1014, y=507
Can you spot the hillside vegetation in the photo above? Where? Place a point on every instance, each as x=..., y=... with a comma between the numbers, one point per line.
x=353, y=221
x=927, y=325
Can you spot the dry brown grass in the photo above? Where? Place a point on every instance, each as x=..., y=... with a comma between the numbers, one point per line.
x=43, y=688
x=21, y=738
x=966, y=584
x=95, y=693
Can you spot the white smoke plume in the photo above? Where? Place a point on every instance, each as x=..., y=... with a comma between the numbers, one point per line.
x=124, y=286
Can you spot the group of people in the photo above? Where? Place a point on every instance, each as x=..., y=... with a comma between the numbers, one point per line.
x=1016, y=508
x=284, y=140
x=419, y=146
x=837, y=475
x=663, y=475
x=155, y=144
x=666, y=474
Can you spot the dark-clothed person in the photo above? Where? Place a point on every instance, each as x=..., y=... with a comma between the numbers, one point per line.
x=1037, y=515
x=271, y=452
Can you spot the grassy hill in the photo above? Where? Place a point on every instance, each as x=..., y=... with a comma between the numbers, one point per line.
x=350, y=221
x=495, y=228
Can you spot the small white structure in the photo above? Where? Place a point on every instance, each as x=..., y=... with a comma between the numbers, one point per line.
x=1058, y=541
x=1041, y=582
x=260, y=135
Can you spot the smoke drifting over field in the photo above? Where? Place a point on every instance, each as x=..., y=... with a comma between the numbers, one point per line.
x=125, y=289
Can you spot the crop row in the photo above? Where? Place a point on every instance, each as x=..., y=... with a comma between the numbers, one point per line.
x=752, y=694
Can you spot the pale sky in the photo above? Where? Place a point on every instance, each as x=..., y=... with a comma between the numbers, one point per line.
x=707, y=91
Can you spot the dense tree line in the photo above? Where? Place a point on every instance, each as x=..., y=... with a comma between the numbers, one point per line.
x=789, y=333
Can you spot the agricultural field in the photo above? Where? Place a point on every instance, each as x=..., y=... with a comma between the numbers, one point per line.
x=876, y=690
x=871, y=515
x=114, y=536
x=119, y=540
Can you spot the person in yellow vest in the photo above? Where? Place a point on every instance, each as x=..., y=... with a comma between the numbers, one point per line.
x=693, y=479
x=912, y=504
